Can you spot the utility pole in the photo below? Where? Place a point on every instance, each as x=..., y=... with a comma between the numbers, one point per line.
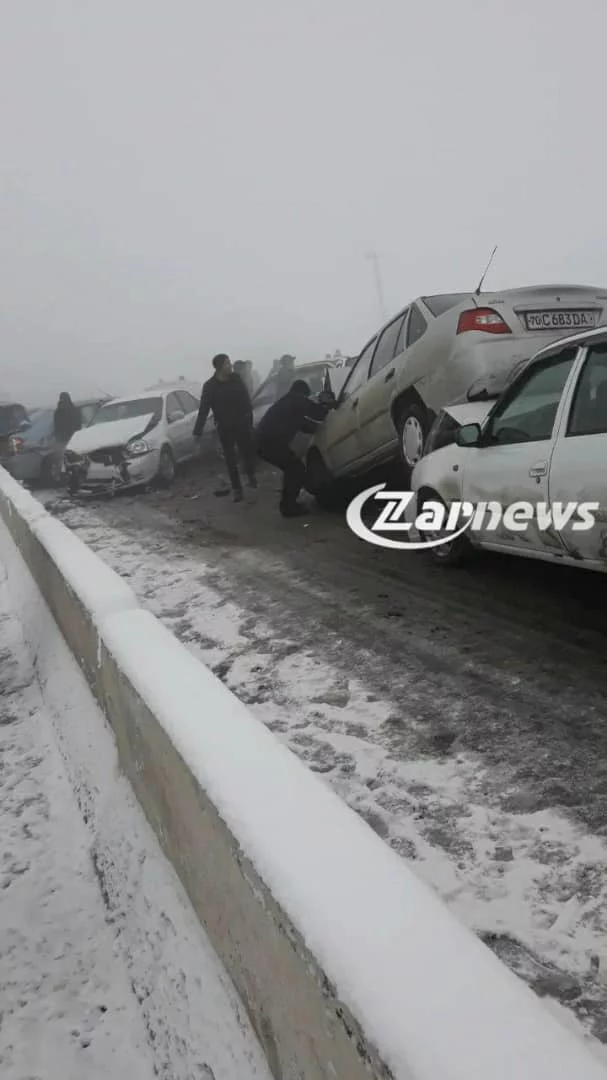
x=374, y=258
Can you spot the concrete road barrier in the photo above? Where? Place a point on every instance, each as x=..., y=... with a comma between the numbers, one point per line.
x=350, y=968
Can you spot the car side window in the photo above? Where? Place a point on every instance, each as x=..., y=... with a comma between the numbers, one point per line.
x=187, y=402
x=588, y=414
x=528, y=412
x=358, y=375
x=384, y=352
x=417, y=326
x=400, y=341
x=173, y=408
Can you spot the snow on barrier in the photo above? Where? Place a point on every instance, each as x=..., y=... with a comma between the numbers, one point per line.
x=348, y=965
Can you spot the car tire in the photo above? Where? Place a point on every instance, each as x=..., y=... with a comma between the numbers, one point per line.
x=166, y=467
x=50, y=472
x=412, y=426
x=456, y=553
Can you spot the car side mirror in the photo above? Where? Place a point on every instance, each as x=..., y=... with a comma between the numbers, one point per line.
x=468, y=435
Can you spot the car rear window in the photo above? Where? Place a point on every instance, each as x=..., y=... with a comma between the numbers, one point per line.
x=11, y=418
x=438, y=305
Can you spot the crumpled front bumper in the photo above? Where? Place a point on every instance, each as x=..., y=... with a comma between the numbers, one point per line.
x=86, y=476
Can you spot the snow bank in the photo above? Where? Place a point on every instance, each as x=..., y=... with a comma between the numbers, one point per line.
x=15, y=499
x=97, y=587
x=349, y=966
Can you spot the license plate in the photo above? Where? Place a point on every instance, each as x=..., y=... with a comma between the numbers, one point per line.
x=561, y=320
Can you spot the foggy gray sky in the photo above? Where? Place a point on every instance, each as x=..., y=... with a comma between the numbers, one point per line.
x=181, y=177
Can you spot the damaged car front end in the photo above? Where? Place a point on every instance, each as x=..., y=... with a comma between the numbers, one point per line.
x=112, y=468
x=119, y=450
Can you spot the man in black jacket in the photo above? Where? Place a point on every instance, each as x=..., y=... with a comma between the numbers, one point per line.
x=226, y=396
x=277, y=428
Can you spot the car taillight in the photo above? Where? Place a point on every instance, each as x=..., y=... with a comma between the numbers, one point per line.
x=15, y=444
x=485, y=320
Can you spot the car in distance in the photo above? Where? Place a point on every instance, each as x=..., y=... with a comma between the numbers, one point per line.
x=543, y=441
x=318, y=375
x=133, y=441
x=14, y=418
x=427, y=356
x=32, y=453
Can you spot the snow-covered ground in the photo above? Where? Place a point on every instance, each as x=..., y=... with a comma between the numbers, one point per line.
x=104, y=969
x=512, y=877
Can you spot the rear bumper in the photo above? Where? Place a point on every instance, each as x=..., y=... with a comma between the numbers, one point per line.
x=24, y=467
x=473, y=359
x=89, y=476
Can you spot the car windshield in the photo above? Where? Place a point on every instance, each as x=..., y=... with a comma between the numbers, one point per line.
x=11, y=418
x=315, y=378
x=88, y=411
x=41, y=426
x=127, y=410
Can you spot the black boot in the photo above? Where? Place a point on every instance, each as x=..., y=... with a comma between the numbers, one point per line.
x=293, y=511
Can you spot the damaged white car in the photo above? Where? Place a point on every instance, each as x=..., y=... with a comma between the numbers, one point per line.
x=133, y=441
x=542, y=443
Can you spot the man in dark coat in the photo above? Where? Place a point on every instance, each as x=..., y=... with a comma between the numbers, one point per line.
x=67, y=419
x=226, y=396
x=292, y=413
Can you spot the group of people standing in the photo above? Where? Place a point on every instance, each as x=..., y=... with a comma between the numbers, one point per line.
x=228, y=397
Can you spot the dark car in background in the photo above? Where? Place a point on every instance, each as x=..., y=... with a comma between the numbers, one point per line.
x=13, y=418
x=31, y=452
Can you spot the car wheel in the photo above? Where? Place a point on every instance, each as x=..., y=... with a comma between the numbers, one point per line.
x=455, y=553
x=50, y=473
x=412, y=431
x=166, y=467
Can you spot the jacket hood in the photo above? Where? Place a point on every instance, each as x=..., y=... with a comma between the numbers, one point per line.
x=114, y=433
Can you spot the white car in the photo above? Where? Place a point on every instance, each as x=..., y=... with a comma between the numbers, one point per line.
x=544, y=441
x=133, y=441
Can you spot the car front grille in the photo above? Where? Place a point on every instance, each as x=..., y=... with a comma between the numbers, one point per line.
x=109, y=455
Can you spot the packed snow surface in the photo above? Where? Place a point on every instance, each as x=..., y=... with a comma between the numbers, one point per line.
x=105, y=971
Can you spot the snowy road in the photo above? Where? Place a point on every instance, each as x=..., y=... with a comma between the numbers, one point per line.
x=104, y=970
x=461, y=714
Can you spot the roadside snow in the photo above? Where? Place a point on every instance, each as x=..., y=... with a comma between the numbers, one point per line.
x=104, y=968
x=512, y=877
x=66, y=1007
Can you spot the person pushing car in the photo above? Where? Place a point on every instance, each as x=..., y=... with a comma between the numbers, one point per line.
x=292, y=413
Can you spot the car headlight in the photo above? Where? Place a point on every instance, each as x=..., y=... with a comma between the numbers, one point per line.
x=137, y=447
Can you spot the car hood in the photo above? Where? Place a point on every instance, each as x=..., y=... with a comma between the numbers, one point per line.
x=469, y=412
x=114, y=433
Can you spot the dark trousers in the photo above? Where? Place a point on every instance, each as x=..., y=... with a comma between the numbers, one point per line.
x=292, y=468
x=238, y=439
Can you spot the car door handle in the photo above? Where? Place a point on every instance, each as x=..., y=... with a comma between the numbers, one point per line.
x=390, y=375
x=355, y=403
x=538, y=470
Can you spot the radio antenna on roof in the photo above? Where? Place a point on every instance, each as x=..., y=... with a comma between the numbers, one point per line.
x=477, y=291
